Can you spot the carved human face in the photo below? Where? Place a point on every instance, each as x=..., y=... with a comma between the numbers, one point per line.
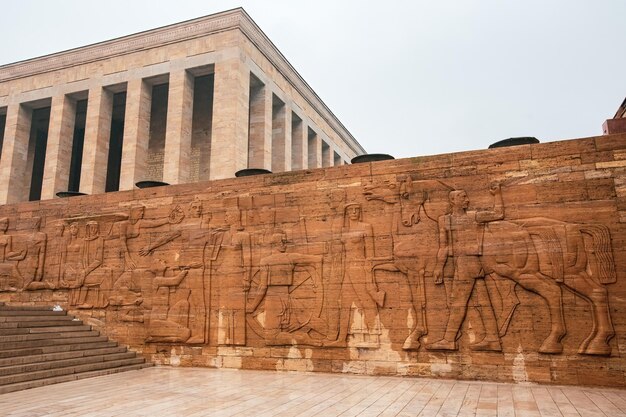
x=93, y=229
x=4, y=225
x=335, y=199
x=280, y=242
x=354, y=212
x=459, y=199
x=74, y=229
x=137, y=213
x=195, y=209
x=231, y=217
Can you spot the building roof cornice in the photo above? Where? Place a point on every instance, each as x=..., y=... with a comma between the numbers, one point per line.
x=215, y=23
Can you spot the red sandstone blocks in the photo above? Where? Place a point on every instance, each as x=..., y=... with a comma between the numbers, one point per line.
x=334, y=270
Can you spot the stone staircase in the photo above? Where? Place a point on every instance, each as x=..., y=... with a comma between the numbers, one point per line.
x=39, y=346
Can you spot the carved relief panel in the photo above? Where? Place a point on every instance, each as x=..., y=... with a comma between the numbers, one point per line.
x=388, y=264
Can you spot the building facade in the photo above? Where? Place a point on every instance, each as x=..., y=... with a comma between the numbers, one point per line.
x=193, y=101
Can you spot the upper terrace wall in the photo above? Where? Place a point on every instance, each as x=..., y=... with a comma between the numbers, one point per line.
x=354, y=268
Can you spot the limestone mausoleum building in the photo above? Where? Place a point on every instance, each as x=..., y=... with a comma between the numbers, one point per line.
x=197, y=100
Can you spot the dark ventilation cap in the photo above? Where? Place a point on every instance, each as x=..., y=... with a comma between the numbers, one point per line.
x=65, y=194
x=248, y=172
x=524, y=140
x=371, y=157
x=150, y=184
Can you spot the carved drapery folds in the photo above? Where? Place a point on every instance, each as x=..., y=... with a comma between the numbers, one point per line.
x=390, y=262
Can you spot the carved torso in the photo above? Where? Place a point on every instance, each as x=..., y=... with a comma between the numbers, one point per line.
x=465, y=234
x=279, y=269
x=5, y=242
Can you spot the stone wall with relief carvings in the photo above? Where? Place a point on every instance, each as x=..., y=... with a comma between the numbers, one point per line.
x=505, y=264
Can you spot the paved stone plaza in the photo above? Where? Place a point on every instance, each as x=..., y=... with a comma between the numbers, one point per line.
x=167, y=391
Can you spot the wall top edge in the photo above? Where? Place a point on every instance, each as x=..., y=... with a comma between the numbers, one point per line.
x=434, y=167
x=178, y=32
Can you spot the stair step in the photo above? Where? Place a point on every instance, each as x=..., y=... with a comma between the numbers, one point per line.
x=71, y=377
x=50, y=342
x=64, y=363
x=14, y=330
x=12, y=325
x=42, y=350
x=61, y=329
x=49, y=373
x=50, y=323
x=26, y=308
x=31, y=318
x=55, y=356
x=45, y=336
x=42, y=330
x=39, y=346
x=4, y=312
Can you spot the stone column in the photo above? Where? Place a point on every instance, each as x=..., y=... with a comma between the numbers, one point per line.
x=176, y=161
x=327, y=154
x=336, y=159
x=13, y=189
x=136, y=134
x=281, y=138
x=56, y=172
x=299, y=145
x=315, y=149
x=229, y=138
x=97, y=136
x=260, y=136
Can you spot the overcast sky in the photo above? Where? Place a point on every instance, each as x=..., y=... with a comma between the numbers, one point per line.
x=408, y=78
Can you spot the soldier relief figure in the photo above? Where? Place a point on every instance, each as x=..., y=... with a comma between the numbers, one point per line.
x=129, y=231
x=95, y=281
x=285, y=321
x=169, y=313
x=358, y=287
x=461, y=235
x=541, y=255
x=231, y=270
x=32, y=267
x=72, y=266
x=194, y=236
x=10, y=277
x=81, y=266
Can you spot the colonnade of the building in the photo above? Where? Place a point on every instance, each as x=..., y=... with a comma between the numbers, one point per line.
x=186, y=125
x=279, y=139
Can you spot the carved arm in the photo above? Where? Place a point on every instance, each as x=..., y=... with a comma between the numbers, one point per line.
x=498, y=206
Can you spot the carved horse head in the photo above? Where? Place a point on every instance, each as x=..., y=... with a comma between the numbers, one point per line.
x=387, y=191
x=421, y=200
x=412, y=196
x=412, y=200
